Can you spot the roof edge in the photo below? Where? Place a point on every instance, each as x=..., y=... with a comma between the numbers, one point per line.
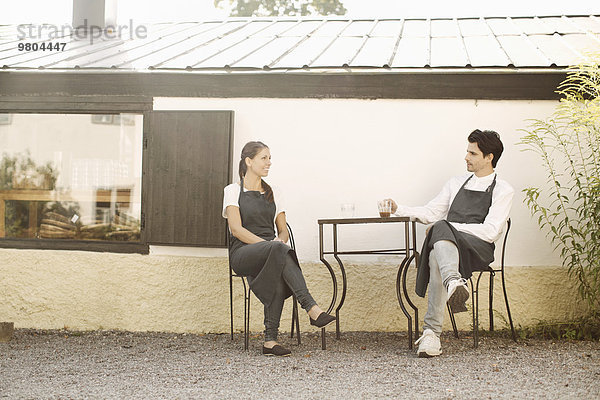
x=528, y=85
x=346, y=18
x=309, y=71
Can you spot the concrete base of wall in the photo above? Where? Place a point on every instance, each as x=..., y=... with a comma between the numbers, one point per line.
x=6, y=331
x=88, y=291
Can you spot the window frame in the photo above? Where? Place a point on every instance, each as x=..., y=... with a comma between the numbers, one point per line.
x=80, y=105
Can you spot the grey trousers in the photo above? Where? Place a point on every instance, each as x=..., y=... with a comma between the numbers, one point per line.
x=443, y=264
x=292, y=278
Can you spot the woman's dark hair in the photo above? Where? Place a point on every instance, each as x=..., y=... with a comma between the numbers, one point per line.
x=488, y=142
x=250, y=150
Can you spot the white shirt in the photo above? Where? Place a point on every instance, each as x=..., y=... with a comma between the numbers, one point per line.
x=231, y=195
x=437, y=209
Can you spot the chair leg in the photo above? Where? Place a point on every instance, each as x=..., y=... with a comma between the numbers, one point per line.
x=231, y=303
x=294, y=308
x=512, y=328
x=298, y=327
x=452, y=320
x=475, y=305
x=247, y=337
x=491, y=301
x=295, y=320
x=246, y=316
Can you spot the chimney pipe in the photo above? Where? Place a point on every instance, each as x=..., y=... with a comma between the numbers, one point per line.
x=100, y=13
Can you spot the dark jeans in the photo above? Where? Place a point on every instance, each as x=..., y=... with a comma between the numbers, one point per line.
x=292, y=278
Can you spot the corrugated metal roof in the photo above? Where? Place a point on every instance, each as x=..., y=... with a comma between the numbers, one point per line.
x=292, y=43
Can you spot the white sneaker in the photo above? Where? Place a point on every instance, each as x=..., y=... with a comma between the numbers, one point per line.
x=458, y=295
x=429, y=344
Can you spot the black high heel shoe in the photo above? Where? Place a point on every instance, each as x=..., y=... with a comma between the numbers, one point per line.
x=322, y=320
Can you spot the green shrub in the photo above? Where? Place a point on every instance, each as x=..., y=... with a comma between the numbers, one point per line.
x=567, y=206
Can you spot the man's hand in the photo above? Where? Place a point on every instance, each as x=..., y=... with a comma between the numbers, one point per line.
x=394, y=205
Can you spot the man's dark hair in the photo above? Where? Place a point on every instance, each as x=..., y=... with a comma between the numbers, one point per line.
x=488, y=142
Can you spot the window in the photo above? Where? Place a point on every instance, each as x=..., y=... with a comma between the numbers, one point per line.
x=65, y=176
x=79, y=175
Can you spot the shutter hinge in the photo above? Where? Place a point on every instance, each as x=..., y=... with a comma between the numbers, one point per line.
x=143, y=221
x=145, y=143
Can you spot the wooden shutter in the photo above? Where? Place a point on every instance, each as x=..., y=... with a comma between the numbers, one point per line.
x=187, y=159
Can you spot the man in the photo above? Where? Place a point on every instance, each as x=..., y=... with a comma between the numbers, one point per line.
x=469, y=215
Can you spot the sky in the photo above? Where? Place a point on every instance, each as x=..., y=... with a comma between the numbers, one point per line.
x=60, y=11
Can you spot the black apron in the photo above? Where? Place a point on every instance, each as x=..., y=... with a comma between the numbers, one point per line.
x=257, y=215
x=475, y=254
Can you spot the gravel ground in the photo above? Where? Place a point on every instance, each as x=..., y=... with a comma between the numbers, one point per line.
x=362, y=365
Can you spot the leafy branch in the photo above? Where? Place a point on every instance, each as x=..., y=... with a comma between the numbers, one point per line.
x=568, y=205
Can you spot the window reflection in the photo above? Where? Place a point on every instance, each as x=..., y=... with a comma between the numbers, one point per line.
x=71, y=176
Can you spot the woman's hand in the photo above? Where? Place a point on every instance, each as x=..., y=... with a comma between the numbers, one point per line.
x=278, y=239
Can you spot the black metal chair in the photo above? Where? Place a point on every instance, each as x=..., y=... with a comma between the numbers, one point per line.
x=475, y=297
x=247, y=293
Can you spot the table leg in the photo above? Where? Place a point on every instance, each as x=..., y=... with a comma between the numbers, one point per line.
x=410, y=232
x=342, y=298
x=333, y=281
x=344, y=283
x=399, y=290
x=333, y=297
x=410, y=303
x=416, y=254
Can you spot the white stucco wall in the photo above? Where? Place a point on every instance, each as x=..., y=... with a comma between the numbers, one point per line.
x=329, y=152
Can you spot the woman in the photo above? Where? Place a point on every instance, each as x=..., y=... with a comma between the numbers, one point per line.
x=254, y=251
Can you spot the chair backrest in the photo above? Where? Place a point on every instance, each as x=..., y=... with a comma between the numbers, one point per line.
x=292, y=241
x=508, y=223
